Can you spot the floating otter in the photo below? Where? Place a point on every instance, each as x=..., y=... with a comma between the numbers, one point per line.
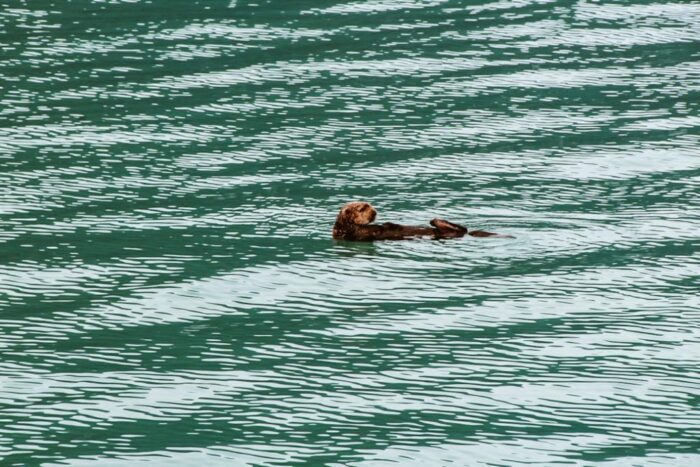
x=354, y=223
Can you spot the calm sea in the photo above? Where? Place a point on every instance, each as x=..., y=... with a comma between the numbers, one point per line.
x=169, y=174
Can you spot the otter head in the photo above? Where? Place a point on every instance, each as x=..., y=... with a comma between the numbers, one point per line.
x=353, y=214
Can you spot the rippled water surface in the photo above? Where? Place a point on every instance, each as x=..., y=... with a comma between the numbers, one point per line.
x=170, y=171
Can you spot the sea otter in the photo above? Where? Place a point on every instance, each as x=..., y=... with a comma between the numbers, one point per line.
x=354, y=223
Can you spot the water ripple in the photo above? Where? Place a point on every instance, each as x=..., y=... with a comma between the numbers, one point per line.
x=170, y=175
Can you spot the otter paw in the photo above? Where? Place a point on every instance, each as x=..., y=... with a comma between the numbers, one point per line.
x=443, y=225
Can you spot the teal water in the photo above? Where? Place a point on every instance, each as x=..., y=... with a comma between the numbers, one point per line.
x=170, y=172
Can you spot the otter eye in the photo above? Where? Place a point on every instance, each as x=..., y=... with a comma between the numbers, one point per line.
x=363, y=208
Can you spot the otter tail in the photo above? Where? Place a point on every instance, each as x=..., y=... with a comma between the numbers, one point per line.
x=483, y=233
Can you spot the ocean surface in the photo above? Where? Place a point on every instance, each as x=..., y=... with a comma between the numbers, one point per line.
x=170, y=294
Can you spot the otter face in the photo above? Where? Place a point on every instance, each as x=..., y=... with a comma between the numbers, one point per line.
x=357, y=212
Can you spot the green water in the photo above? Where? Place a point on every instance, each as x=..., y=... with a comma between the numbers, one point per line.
x=170, y=172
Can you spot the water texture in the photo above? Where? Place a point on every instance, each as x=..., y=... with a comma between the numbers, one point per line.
x=169, y=174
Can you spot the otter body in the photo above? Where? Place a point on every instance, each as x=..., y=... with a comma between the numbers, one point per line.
x=386, y=231
x=354, y=222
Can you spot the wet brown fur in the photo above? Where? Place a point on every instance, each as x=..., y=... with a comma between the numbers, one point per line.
x=354, y=222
